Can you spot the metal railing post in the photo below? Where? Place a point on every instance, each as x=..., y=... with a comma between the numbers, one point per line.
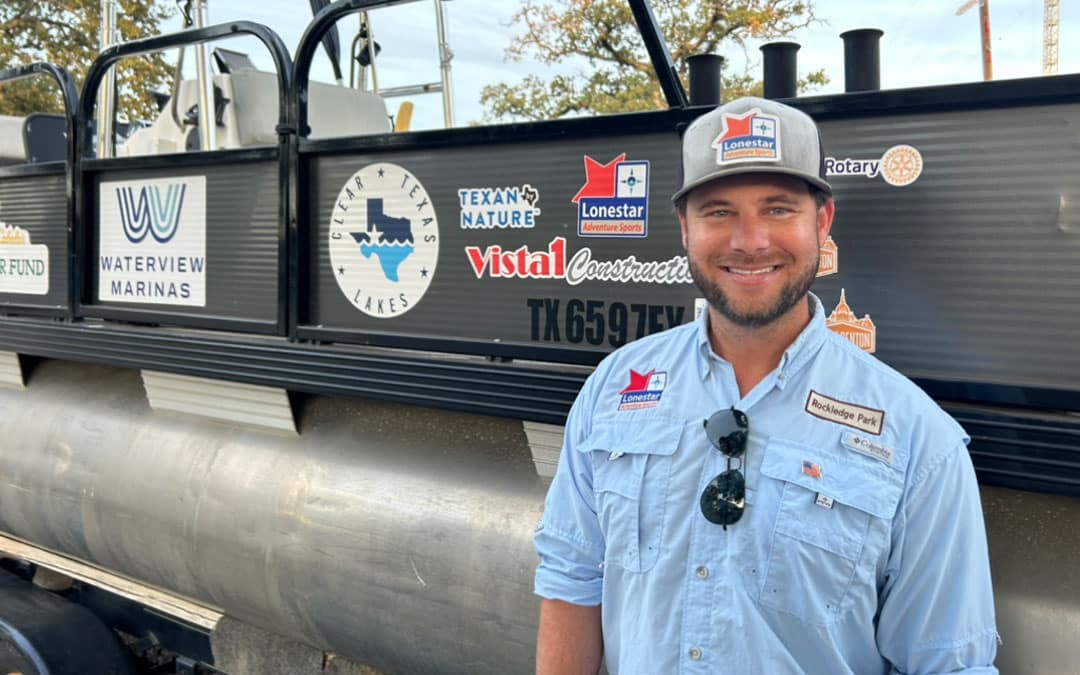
x=207, y=120
x=445, y=56
x=106, y=110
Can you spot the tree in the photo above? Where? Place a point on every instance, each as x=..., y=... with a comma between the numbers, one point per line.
x=621, y=77
x=66, y=33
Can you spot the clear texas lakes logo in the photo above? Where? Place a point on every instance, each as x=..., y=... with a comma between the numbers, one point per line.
x=384, y=240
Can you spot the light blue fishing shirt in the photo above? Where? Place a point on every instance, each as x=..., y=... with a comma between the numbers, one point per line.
x=862, y=548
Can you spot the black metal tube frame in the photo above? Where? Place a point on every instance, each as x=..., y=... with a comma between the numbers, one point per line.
x=298, y=107
x=80, y=275
x=659, y=54
x=70, y=95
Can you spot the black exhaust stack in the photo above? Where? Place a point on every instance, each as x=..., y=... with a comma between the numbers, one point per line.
x=705, y=85
x=781, y=77
x=862, y=59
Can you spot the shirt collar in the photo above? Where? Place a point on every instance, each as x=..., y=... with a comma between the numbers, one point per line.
x=798, y=353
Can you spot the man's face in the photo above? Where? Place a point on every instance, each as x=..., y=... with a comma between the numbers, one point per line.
x=753, y=244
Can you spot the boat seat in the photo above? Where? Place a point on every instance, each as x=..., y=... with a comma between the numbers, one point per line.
x=36, y=138
x=250, y=113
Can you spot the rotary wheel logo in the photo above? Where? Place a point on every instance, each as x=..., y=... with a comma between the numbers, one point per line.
x=901, y=165
x=384, y=240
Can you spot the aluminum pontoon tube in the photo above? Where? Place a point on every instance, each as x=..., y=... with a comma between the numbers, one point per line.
x=862, y=59
x=396, y=536
x=780, y=72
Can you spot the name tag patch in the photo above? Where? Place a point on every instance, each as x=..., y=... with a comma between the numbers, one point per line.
x=849, y=414
x=869, y=447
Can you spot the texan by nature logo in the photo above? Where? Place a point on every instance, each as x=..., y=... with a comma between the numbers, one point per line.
x=644, y=390
x=751, y=137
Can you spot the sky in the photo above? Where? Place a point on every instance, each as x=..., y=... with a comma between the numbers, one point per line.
x=925, y=43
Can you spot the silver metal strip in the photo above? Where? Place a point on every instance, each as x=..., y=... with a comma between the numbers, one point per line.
x=11, y=374
x=246, y=404
x=545, y=442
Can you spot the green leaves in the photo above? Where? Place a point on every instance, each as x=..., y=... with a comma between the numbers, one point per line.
x=614, y=73
x=66, y=33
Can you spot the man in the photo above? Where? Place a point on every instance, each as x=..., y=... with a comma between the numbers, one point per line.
x=824, y=519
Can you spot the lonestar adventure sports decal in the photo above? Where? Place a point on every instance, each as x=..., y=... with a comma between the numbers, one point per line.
x=384, y=240
x=595, y=322
x=751, y=137
x=644, y=390
x=614, y=201
x=524, y=263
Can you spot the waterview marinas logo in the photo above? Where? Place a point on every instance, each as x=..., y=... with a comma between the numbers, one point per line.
x=152, y=241
x=153, y=210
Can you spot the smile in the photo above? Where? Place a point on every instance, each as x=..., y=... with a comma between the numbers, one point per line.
x=750, y=272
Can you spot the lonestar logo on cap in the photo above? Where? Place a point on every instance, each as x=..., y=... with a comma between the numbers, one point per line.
x=644, y=390
x=751, y=137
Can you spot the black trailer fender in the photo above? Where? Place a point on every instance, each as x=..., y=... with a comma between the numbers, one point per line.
x=43, y=634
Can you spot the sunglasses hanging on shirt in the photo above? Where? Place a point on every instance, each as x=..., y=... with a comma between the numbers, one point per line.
x=724, y=498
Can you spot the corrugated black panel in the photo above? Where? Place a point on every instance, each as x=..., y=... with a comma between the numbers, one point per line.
x=542, y=393
x=243, y=233
x=971, y=271
x=519, y=313
x=38, y=205
x=1040, y=453
x=968, y=273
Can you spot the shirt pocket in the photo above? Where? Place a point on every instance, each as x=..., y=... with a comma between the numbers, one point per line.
x=631, y=473
x=817, y=549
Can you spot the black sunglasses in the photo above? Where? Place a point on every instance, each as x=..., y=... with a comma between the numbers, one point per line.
x=724, y=498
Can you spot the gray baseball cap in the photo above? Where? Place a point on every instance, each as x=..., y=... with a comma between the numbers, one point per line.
x=752, y=135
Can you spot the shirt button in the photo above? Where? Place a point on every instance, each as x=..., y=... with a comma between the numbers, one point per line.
x=702, y=572
x=781, y=376
x=695, y=654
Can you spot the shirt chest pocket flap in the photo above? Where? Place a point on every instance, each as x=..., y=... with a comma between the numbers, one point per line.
x=631, y=462
x=835, y=511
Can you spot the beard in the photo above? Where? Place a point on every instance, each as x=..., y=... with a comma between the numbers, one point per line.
x=790, y=295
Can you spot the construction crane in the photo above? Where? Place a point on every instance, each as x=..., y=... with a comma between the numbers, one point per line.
x=1051, y=18
x=984, y=32
x=1051, y=21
